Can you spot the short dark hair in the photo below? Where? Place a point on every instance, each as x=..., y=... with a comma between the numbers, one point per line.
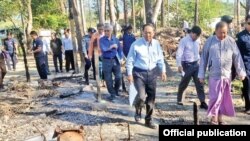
x=196, y=30
x=220, y=25
x=99, y=25
x=148, y=24
x=247, y=17
x=9, y=33
x=33, y=33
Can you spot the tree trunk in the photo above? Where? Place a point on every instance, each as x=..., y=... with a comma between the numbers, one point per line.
x=168, y=13
x=247, y=7
x=27, y=4
x=163, y=13
x=149, y=11
x=133, y=14
x=83, y=17
x=112, y=15
x=20, y=39
x=62, y=6
x=156, y=11
x=125, y=11
x=238, y=15
x=196, y=14
x=144, y=12
x=102, y=12
x=177, y=13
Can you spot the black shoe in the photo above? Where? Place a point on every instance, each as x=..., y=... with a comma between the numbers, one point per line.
x=137, y=114
x=204, y=105
x=180, y=103
x=111, y=98
x=150, y=124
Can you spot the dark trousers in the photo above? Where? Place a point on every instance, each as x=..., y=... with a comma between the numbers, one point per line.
x=41, y=67
x=13, y=59
x=191, y=71
x=47, y=62
x=246, y=93
x=111, y=66
x=86, y=72
x=59, y=57
x=145, y=84
x=69, y=57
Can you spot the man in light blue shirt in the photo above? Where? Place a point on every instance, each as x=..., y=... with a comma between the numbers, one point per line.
x=144, y=61
x=187, y=58
x=112, y=55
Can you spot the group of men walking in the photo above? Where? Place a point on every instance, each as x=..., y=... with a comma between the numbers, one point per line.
x=145, y=62
x=224, y=58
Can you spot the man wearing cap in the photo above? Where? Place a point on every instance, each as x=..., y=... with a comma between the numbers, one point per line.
x=85, y=47
x=243, y=42
x=144, y=62
x=229, y=20
x=112, y=55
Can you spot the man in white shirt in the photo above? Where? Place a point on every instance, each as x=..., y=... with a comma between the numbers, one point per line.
x=68, y=48
x=46, y=51
x=187, y=58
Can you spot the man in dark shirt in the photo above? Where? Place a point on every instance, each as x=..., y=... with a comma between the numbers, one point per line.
x=37, y=49
x=10, y=46
x=243, y=43
x=56, y=47
x=127, y=39
x=112, y=55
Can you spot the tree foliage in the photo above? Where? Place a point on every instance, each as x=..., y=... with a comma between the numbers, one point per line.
x=47, y=14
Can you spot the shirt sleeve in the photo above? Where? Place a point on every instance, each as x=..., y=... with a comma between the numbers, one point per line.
x=179, y=52
x=103, y=47
x=161, y=62
x=119, y=49
x=130, y=59
x=204, y=59
x=84, y=50
x=238, y=62
x=91, y=46
x=39, y=43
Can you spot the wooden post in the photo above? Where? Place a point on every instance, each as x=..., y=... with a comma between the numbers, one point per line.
x=98, y=83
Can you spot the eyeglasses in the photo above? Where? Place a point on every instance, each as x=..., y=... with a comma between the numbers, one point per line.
x=100, y=29
x=106, y=30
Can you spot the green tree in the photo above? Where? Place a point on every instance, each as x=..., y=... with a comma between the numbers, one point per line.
x=48, y=14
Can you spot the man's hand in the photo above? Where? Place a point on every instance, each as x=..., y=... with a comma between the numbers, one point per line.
x=242, y=78
x=180, y=69
x=86, y=56
x=201, y=80
x=114, y=46
x=163, y=77
x=130, y=79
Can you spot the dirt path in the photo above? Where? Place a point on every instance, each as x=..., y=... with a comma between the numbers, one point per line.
x=26, y=106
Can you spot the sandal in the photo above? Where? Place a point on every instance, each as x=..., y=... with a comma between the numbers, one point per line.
x=222, y=123
x=213, y=122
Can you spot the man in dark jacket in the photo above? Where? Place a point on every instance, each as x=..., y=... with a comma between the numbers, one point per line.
x=56, y=47
x=243, y=42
